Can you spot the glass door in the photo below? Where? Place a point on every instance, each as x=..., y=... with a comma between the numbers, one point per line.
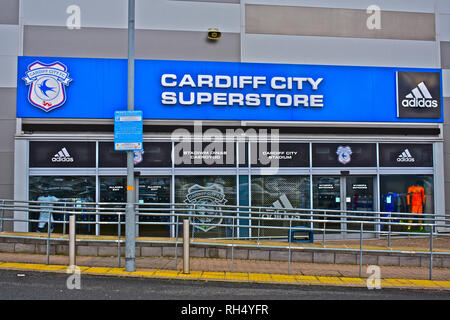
x=154, y=190
x=359, y=197
x=327, y=196
x=343, y=193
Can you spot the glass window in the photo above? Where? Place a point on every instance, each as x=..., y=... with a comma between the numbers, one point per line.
x=344, y=154
x=154, y=190
x=57, y=154
x=112, y=189
x=211, y=190
x=279, y=192
x=61, y=189
x=406, y=155
x=407, y=193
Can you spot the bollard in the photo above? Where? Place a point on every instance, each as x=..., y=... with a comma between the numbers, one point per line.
x=72, y=259
x=186, y=246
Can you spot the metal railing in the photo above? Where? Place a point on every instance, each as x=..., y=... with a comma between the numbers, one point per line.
x=263, y=227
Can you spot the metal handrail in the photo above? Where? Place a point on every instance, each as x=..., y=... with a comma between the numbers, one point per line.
x=317, y=220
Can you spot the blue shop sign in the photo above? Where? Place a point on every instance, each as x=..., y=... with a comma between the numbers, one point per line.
x=51, y=87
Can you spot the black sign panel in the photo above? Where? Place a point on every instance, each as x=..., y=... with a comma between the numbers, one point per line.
x=280, y=155
x=57, y=154
x=418, y=94
x=205, y=154
x=155, y=155
x=344, y=155
x=406, y=155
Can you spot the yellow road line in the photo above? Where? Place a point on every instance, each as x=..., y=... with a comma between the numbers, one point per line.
x=330, y=280
x=191, y=275
x=235, y=276
x=213, y=275
x=259, y=277
x=283, y=278
x=307, y=280
x=166, y=273
x=97, y=270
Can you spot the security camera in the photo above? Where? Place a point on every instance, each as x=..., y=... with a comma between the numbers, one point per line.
x=214, y=34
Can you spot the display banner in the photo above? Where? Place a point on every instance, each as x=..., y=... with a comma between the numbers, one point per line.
x=155, y=154
x=344, y=155
x=406, y=155
x=59, y=154
x=223, y=91
x=283, y=154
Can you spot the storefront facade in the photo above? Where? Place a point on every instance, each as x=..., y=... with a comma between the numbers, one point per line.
x=269, y=135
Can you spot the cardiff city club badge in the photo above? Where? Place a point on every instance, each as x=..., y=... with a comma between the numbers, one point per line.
x=47, y=85
x=203, y=200
x=344, y=154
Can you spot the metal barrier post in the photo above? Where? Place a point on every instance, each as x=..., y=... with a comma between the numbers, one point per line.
x=3, y=214
x=324, y=228
x=48, y=237
x=232, y=247
x=176, y=243
x=360, y=250
x=289, y=236
x=72, y=239
x=119, y=233
x=186, y=246
x=389, y=232
x=431, y=253
x=64, y=218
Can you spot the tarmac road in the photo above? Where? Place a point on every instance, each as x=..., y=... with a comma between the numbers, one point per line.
x=25, y=285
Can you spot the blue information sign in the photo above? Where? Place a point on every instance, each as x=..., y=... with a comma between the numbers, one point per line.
x=127, y=130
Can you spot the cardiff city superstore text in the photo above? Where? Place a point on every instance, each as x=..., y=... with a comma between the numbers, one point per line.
x=189, y=91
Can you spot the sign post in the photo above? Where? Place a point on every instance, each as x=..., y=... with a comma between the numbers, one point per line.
x=128, y=136
x=130, y=217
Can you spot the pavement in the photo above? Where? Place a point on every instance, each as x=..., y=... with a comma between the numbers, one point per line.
x=202, y=269
x=249, y=271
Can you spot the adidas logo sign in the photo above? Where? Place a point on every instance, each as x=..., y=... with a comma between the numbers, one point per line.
x=420, y=97
x=62, y=156
x=405, y=157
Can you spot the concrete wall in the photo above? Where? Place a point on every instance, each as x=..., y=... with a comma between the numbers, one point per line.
x=415, y=33
x=94, y=249
x=9, y=49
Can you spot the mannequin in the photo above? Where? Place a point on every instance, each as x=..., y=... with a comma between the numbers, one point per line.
x=46, y=211
x=416, y=200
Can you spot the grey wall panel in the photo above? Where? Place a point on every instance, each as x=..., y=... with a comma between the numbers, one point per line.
x=7, y=171
x=112, y=43
x=447, y=198
x=7, y=192
x=7, y=131
x=150, y=14
x=390, y=5
x=332, y=22
x=186, y=45
x=8, y=71
x=445, y=54
x=216, y=1
x=8, y=103
x=9, y=12
x=339, y=51
x=85, y=42
x=447, y=115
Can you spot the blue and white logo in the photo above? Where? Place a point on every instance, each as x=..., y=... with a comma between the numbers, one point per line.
x=344, y=154
x=47, y=84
